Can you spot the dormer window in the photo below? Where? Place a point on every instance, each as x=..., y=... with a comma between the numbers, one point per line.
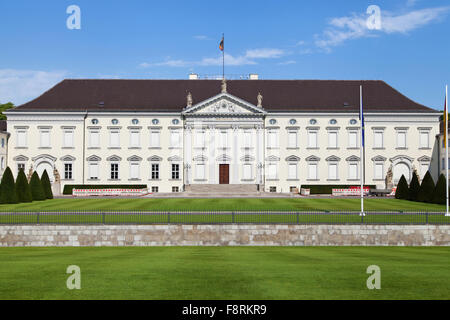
x=115, y=121
x=312, y=121
x=155, y=121
x=292, y=121
x=175, y=121
x=272, y=121
x=333, y=121
x=94, y=121
x=135, y=121
x=353, y=121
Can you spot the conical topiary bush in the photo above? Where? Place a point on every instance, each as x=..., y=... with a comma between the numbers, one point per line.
x=23, y=191
x=45, y=180
x=414, y=187
x=8, y=188
x=402, y=191
x=439, y=194
x=37, y=191
x=426, y=189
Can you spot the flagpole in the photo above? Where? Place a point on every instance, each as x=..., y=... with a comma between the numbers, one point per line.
x=361, y=148
x=446, y=150
x=223, y=57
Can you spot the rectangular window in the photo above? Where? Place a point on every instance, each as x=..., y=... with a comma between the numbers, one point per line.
x=3, y=142
x=3, y=163
x=378, y=171
x=353, y=139
x=93, y=171
x=175, y=171
x=68, y=171
x=134, y=171
x=272, y=171
x=200, y=139
x=155, y=189
x=175, y=189
x=223, y=139
x=247, y=139
x=312, y=139
x=154, y=139
x=114, y=171
x=155, y=171
x=378, y=139
x=332, y=171
x=135, y=139
x=45, y=139
x=312, y=171
x=332, y=139
x=423, y=169
x=272, y=139
x=353, y=171
x=21, y=138
x=68, y=139
x=424, y=140
x=114, y=140
x=175, y=139
x=94, y=139
x=247, y=171
x=273, y=189
x=401, y=139
x=20, y=166
x=292, y=139
x=292, y=171
x=200, y=171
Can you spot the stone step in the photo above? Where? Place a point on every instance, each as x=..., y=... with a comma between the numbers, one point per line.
x=222, y=188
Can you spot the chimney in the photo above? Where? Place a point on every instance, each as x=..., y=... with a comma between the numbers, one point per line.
x=253, y=76
x=193, y=76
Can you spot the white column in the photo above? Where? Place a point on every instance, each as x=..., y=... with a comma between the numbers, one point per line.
x=188, y=154
x=235, y=156
x=212, y=154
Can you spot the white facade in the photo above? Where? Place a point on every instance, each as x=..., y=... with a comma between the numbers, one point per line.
x=222, y=140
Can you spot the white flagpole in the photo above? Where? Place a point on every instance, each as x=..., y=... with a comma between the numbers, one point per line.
x=446, y=149
x=361, y=149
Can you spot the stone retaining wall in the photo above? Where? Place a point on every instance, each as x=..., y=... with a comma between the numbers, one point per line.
x=224, y=235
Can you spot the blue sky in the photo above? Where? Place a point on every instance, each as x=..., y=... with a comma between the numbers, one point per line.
x=276, y=39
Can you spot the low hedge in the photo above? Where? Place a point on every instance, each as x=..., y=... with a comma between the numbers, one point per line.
x=68, y=188
x=328, y=188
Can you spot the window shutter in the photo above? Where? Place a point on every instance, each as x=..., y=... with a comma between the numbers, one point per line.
x=378, y=171
x=312, y=139
x=332, y=139
x=247, y=171
x=292, y=139
x=312, y=171
x=134, y=138
x=353, y=136
x=134, y=171
x=292, y=171
x=424, y=139
x=154, y=139
x=68, y=139
x=353, y=171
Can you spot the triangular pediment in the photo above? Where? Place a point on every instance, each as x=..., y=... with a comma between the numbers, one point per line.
x=224, y=104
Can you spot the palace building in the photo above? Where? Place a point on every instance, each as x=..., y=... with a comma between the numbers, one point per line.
x=274, y=135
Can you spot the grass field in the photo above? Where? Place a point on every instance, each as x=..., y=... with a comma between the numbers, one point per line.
x=222, y=204
x=225, y=273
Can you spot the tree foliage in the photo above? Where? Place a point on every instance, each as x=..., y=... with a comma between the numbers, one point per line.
x=402, y=191
x=426, y=189
x=414, y=187
x=37, y=191
x=439, y=194
x=8, y=188
x=4, y=107
x=45, y=180
x=23, y=191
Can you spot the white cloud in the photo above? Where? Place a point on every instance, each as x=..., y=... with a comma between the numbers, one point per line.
x=355, y=26
x=20, y=86
x=201, y=37
x=285, y=63
x=249, y=58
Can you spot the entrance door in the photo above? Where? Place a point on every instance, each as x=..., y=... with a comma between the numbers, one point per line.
x=224, y=173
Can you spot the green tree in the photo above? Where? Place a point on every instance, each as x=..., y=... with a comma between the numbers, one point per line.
x=37, y=191
x=439, y=194
x=414, y=187
x=45, y=180
x=4, y=107
x=8, y=188
x=426, y=189
x=23, y=191
x=402, y=191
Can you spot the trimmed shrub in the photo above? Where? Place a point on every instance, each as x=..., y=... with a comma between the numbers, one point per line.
x=23, y=188
x=8, y=188
x=414, y=187
x=45, y=180
x=426, y=189
x=68, y=188
x=439, y=194
x=328, y=188
x=402, y=191
x=37, y=191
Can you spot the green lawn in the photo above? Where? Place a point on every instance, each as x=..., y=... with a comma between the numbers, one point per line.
x=225, y=273
x=221, y=204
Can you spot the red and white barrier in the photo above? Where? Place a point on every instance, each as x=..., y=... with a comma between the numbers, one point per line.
x=352, y=191
x=305, y=192
x=109, y=192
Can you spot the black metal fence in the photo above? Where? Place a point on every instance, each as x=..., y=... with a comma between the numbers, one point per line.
x=212, y=217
